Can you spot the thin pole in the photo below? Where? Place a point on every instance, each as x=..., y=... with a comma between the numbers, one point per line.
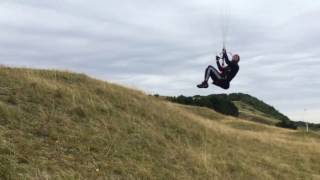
x=307, y=125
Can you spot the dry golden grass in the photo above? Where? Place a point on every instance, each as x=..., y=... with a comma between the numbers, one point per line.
x=61, y=125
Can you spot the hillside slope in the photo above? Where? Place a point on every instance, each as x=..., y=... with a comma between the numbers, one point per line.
x=267, y=114
x=249, y=112
x=239, y=105
x=60, y=125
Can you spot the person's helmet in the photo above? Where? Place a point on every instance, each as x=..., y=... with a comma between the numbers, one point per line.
x=236, y=58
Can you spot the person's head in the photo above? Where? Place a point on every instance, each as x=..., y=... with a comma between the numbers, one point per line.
x=236, y=58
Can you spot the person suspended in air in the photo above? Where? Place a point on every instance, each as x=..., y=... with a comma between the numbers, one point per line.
x=223, y=77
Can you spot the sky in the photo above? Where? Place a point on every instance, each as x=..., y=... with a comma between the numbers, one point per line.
x=163, y=47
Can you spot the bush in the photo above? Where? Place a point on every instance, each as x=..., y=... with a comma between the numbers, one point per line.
x=218, y=103
x=287, y=124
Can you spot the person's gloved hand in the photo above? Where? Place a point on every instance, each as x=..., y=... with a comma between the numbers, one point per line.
x=224, y=50
x=217, y=58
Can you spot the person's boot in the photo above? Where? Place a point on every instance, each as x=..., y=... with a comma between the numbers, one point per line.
x=204, y=84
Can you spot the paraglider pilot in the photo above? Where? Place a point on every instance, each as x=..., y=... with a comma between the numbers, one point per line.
x=223, y=77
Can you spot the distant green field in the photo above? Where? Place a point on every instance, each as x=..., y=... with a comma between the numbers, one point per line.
x=250, y=113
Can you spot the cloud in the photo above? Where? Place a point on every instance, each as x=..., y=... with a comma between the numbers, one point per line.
x=164, y=47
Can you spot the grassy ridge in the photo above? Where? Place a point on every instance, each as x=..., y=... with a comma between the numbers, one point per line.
x=60, y=125
x=239, y=105
x=259, y=105
x=251, y=113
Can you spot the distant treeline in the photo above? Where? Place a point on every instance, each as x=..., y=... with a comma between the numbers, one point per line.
x=223, y=103
x=220, y=103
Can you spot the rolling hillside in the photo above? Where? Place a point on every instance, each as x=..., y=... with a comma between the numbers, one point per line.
x=249, y=112
x=61, y=125
x=239, y=105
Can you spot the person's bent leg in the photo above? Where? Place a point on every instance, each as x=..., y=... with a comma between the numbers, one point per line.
x=207, y=73
x=210, y=72
x=214, y=74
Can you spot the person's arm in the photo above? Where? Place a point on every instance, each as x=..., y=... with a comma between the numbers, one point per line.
x=218, y=63
x=225, y=56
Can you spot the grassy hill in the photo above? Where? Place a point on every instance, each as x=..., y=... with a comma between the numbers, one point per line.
x=239, y=105
x=258, y=105
x=249, y=112
x=60, y=125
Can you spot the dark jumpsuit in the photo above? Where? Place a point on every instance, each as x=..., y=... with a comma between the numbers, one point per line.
x=226, y=74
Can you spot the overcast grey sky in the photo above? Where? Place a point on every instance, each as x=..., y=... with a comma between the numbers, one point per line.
x=164, y=46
